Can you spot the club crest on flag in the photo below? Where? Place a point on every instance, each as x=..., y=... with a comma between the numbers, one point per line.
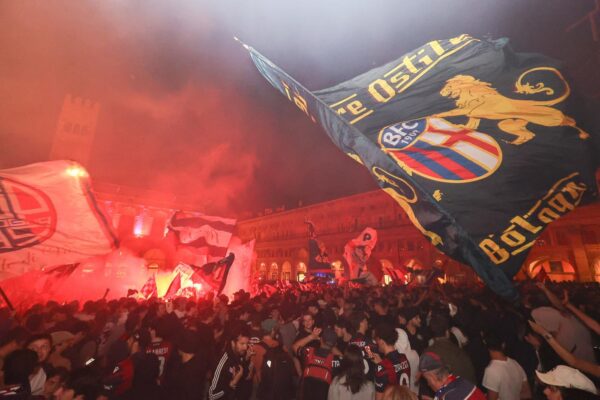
x=27, y=216
x=436, y=149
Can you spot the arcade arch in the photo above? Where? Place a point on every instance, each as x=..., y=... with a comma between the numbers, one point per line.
x=286, y=271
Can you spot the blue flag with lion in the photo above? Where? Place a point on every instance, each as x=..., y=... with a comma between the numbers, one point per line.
x=481, y=146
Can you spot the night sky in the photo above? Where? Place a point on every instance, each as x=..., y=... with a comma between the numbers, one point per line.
x=183, y=109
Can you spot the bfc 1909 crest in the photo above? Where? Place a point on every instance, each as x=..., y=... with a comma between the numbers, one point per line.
x=27, y=216
x=436, y=149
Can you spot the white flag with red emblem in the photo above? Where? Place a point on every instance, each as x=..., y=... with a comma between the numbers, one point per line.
x=48, y=217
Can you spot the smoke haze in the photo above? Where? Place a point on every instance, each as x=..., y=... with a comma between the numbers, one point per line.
x=183, y=110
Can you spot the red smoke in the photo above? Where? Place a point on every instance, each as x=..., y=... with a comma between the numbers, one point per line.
x=183, y=111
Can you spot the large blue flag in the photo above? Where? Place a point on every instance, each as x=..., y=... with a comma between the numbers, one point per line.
x=481, y=146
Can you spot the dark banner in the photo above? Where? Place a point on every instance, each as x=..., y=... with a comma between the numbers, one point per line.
x=318, y=259
x=481, y=146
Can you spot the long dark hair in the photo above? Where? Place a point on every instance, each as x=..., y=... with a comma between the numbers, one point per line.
x=353, y=368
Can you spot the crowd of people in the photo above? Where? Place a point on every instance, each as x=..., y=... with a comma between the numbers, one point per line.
x=314, y=342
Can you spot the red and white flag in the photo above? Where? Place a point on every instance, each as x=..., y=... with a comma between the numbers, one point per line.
x=149, y=289
x=173, y=287
x=49, y=217
x=200, y=239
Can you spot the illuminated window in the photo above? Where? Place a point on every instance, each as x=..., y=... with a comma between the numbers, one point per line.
x=142, y=224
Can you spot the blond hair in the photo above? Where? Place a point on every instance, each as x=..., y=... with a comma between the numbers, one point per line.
x=398, y=392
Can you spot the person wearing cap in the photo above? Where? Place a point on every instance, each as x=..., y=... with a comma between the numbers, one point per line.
x=445, y=385
x=269, y=329
x=566, y=383
x=319, y=365
x=61, y=340
x=84, y=346
x=455, y=358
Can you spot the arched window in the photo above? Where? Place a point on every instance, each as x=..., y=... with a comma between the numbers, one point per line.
x=274, y=271
x=300, y=271
x=286, y=270
x=262, y=270
x=557, y=269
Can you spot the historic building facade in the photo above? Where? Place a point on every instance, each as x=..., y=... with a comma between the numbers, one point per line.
x=568, y=250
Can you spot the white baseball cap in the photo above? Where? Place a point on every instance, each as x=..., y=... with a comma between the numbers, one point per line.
x=567, y=377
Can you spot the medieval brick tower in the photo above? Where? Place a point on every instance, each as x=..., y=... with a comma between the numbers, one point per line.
x=75, y=130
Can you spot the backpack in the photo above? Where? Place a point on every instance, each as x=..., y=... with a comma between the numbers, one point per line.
x=318, y=367
x=277, y=375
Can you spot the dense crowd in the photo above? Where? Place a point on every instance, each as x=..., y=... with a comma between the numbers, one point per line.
x=315, y=342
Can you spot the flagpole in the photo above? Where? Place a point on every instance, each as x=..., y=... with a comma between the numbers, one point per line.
x=6, y=300
x=242, y=43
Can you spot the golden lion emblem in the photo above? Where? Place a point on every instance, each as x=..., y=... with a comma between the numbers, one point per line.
x=478, y=100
